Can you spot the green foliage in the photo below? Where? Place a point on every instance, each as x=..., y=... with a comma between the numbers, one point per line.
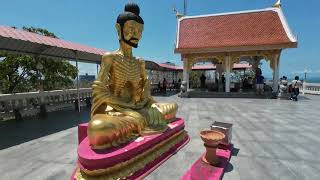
x=57, y=74
x=194, y=78
x=19, y=73
x=239, y=75
x=16, y=73
x=40, y=31
x=22, y=73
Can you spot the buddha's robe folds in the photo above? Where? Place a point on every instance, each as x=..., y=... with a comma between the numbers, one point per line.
x=122, y=106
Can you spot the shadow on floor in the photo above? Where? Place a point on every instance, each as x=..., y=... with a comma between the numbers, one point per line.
x=302, y=97
x=235, y=151
x=228, y=168
x=16, y=132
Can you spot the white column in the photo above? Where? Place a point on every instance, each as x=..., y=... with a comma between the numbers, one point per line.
x=219, y=72
x=255, y=67
x=186, y=72
x=97, y=70
x=276, y=74
x=227, y=63
x=78, y=93
x=188, y=81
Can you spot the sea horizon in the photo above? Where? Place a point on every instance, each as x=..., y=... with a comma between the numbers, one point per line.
x=309, y=79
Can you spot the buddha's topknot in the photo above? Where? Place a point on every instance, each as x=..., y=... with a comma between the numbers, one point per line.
x=132, y=7
x=131, y=12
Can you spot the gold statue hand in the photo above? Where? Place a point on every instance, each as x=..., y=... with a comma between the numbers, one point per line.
x=137, y=97
x=156, y=117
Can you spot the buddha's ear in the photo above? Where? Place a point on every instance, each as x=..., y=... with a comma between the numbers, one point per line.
x=118, y=27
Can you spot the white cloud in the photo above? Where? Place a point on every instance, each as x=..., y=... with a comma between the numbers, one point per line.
x=297, y=72
x=303, y=71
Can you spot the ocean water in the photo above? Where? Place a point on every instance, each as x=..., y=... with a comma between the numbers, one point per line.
x=309, y=79
x=313, y=80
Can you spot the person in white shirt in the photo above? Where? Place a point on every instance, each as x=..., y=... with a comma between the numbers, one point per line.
x=295, y=85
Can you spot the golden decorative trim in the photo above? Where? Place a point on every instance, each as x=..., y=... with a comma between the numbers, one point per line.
x=277, y=4
x=186, y=51
x=208, y=57
x=156, y=130
x=193, y=58
x=128, y=168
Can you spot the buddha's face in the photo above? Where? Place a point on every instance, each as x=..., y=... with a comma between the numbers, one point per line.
x=130, y=33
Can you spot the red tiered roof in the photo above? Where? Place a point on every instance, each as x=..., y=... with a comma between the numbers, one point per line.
x=266, y=27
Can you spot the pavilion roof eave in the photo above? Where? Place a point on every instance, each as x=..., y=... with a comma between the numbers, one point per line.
x=236, y=48
x=22, y=42
x=95, y=59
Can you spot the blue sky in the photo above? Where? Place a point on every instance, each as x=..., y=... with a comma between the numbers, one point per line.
x=93, y=23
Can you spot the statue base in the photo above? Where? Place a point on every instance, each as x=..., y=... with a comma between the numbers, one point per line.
x=134, y=160
x=205, y=171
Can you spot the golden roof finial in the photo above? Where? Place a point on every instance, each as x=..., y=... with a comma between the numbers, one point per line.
x=178, y=15
x=277, y=4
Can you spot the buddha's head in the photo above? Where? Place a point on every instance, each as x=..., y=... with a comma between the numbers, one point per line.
x=130, y=25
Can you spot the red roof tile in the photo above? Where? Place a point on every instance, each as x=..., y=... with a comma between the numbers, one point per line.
x=36, y=38
x=23, y=41
x=265, y=27
x=169, y=66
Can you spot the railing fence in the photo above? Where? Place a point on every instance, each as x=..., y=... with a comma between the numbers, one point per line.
x=31, y=103
x=310, y=88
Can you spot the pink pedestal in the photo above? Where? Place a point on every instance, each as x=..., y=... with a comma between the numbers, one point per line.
x=100, y=159
x=82, y=132
x=201, y=170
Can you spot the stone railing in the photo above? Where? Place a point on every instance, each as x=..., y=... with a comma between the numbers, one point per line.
x=310, y=88
x=31, y=103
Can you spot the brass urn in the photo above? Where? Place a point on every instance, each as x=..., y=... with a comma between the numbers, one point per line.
x=211, y=139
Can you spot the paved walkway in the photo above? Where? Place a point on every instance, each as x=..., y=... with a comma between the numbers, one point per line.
x=273, y=139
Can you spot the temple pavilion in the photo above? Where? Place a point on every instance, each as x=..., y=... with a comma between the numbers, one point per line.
x=229, y=38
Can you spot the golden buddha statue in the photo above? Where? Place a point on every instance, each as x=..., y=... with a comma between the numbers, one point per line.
x=122, y=107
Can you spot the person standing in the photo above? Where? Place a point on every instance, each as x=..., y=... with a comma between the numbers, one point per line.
x=164, y=85
x=223, y=82
x=250, y=82
x=203, y=81
x=260, y=84
x=295, y=85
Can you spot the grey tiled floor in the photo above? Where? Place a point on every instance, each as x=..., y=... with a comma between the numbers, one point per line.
x=273, y=139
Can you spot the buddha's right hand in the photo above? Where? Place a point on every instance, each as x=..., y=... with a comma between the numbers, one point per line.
x=156, y=117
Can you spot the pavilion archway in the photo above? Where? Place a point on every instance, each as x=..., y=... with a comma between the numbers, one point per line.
x=206, y=67
x=225, y=63
x=272, y=57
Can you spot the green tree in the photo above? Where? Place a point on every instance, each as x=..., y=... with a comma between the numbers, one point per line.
x=194, y=78
x=16, y=73
x=22, y=73
x=40, y=31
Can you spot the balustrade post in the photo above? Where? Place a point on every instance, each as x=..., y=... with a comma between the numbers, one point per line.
x=16, y=111
x=6, y=106
x=43, y=102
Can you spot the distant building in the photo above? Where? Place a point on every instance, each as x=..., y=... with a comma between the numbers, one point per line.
x=169, y=63
x=87, y=78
